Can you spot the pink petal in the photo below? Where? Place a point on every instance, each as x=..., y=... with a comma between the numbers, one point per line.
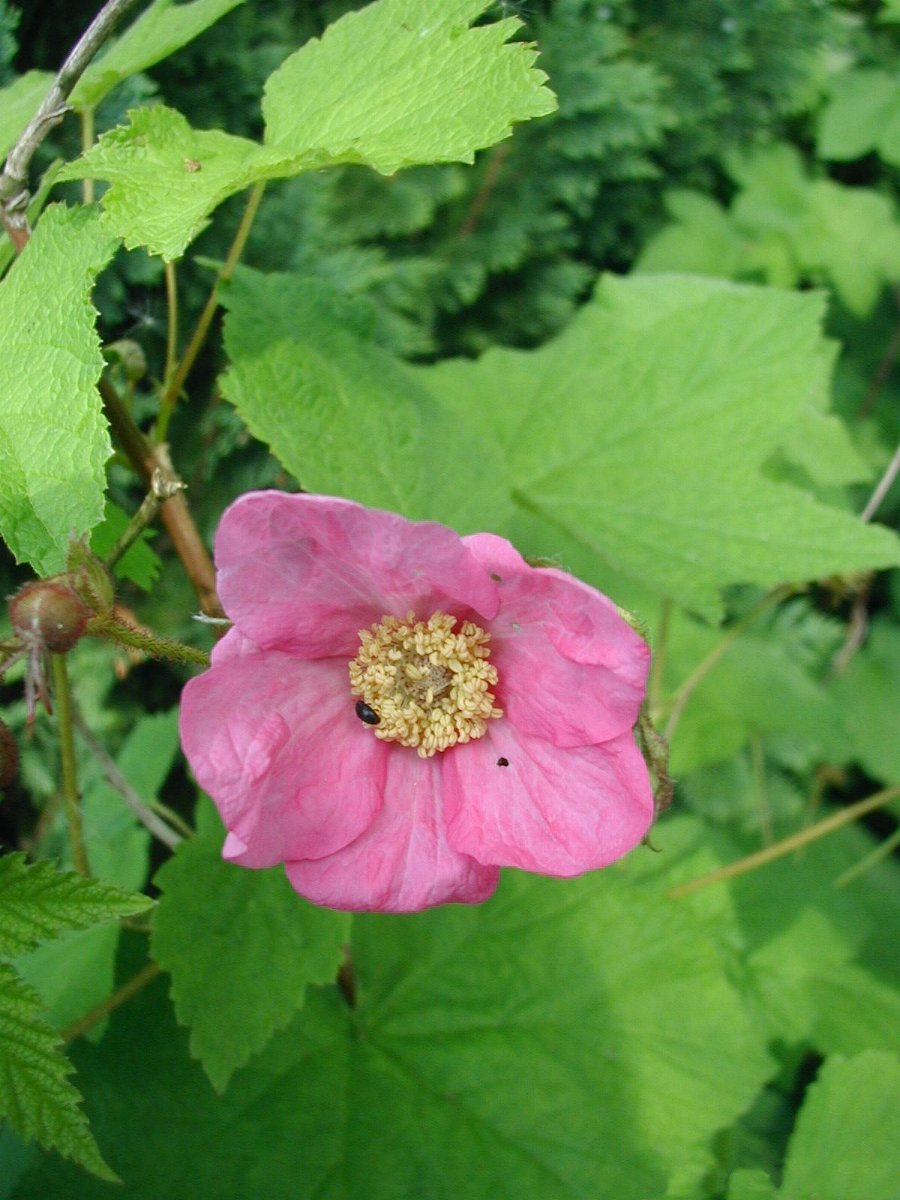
x=571, y=670
x=402, y=863
x=558, y=812
x=306, y=573
x=276, y=743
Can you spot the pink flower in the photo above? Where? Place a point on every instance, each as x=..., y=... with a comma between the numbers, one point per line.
x=399, y=711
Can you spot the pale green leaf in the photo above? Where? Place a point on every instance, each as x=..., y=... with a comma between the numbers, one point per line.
x=862, y=114
x=343, y=415
x=37, y=902
x=53, y=435
x=845, y=1142
x=36, y=1096
x=404, y=82
x=19, y=101
x=395, y=84
x=644, y=428
x=159, y=31
x=241, y=947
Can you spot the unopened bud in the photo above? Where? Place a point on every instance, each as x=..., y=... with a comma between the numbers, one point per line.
x=50, y=613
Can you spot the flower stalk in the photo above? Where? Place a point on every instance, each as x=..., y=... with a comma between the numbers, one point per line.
x=123, y=634
x=63, y=696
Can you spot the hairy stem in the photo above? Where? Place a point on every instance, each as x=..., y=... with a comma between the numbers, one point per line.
x=13, y=181
x=787, y=845
x=157, y=647
x=146, y=975
x=63, y=697
x=175, y=381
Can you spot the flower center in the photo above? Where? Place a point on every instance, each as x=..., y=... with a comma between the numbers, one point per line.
x=422, y=684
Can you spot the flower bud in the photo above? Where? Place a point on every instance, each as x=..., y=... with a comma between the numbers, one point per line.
x=9, y=756
x=50, y=613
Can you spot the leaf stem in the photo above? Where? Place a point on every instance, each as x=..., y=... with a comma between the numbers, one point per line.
x=687, y=688
x=87, y=140
x=160, y=489
x=172, y=318
x=175, y=381
x=882, y=488
x=146, y=975
x=882, y=850
x=63, y=696
x=119, y=783
x=145, y=459
x=787, y=845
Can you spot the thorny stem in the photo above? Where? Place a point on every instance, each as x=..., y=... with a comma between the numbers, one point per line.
x=63, y=698
x=160, y=489
x=175, y=382
x=158, y=647
x=119, y=783
x=699, y=673
x=145, y=459
x=13, y=181
x=146, y=975
x=787, y=845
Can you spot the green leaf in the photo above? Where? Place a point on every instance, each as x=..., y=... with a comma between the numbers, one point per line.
x=36, y=1097
x=644, y=429
x=53, y=436
x=37, y=902
x=751, y=1185
x=756, y=688
x=459, y=1072
x=863, y=114
x=422, y=88
x=76, y=972
x=344, y=416
x=19, y=101
x=868, y=693
x=241, y=947
x=166, y=178
x=404, y=82
x=140, y=563
x=845, y=1142
x=158, y=32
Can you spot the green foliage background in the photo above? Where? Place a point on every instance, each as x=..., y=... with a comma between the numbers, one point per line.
x=651, y=335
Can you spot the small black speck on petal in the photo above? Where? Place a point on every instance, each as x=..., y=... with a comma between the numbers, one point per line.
x=502, y=762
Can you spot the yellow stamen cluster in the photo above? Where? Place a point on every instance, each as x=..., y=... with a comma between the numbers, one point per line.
x=428, y=685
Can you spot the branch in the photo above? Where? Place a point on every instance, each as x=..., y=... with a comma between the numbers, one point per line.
x=13, y=181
